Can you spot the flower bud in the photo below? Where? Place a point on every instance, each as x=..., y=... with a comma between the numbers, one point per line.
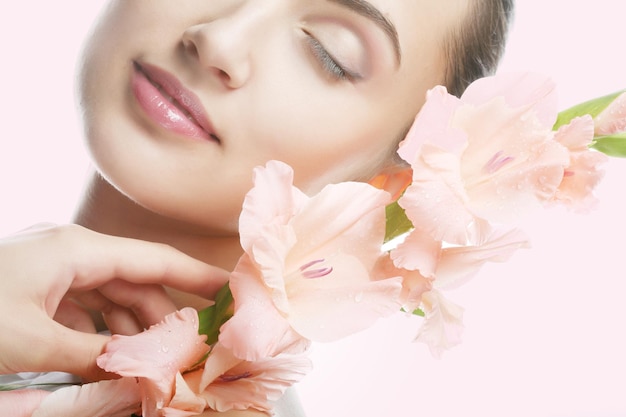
x=609, y=117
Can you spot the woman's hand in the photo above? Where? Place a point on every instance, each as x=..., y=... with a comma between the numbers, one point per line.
x=60, y=271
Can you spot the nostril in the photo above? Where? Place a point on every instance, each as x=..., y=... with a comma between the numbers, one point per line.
x=222, y=75
x=190, y=48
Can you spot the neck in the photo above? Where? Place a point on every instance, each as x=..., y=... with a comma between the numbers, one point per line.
x=106, y=210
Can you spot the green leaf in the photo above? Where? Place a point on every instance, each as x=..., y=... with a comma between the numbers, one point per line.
x=213, y=317
x=397, y=222
x=416, y=312
x=592, y=107
x=612, y=145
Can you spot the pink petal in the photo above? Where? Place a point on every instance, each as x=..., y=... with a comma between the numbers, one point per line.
x=272, y=183
x=583, y=173
x=185, y=402
x=114, y=398
x=348, y=293
x=157, y=355
x=612, y=120
x=347, y=217
x=418, y=252
x=458, y=264
x=257, y=330
x=512, y=163
x=219, y=362
x=256, y=385
x=577, y=135
x=519, y=90
x=432, y=125
x=437, y=202
x=414, y=284
x=269, y=253
x=443, y=324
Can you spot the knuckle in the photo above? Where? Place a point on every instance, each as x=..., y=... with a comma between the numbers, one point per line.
x=65, y=234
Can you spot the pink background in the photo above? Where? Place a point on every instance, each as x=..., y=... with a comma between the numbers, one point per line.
x=544, y=332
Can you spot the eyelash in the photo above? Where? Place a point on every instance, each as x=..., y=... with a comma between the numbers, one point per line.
x=328, y=63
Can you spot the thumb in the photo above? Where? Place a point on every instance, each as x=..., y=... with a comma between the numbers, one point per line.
x=76, y=352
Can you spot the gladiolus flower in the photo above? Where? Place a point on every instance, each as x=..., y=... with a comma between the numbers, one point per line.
x=582, y=174
x=156, y=356
x=485, y=158
x=455, y=265
x=307, y=263
x=229, y=383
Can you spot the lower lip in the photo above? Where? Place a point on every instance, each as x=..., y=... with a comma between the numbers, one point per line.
x=162, y=111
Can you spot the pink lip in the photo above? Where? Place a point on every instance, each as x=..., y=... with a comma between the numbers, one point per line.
x=169, y=104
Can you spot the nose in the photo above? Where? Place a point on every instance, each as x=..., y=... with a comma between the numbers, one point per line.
x=223, y=47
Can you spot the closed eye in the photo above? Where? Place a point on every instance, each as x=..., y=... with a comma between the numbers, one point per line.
x=328, y=63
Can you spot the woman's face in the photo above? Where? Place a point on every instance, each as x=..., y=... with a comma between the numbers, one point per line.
x=182, y=99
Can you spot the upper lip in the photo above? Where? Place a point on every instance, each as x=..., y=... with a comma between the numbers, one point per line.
x=181, y=96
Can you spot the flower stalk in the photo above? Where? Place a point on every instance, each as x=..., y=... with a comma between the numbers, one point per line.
x=609, y=115
x=213, y=317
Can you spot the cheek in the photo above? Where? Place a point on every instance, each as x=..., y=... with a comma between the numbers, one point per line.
x=327, y=137
x=333, y=150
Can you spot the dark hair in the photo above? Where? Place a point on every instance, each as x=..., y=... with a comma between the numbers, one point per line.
x=474, y=49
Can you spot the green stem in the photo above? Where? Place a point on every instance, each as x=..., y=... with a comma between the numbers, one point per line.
x=213, y=317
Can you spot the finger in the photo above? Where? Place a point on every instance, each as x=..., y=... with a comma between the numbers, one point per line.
x=122, y=321
x=149, y=303
x=140, y=262
x=116, y=318
x=77, y=357
x=80, y=352
x=120, y=301
x=73, y=316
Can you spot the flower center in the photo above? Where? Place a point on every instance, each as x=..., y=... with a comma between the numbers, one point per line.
x=232, y=378
x=309, y=270
x=496, y=162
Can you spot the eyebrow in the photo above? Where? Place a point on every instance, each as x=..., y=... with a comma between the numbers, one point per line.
x=365, y=9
